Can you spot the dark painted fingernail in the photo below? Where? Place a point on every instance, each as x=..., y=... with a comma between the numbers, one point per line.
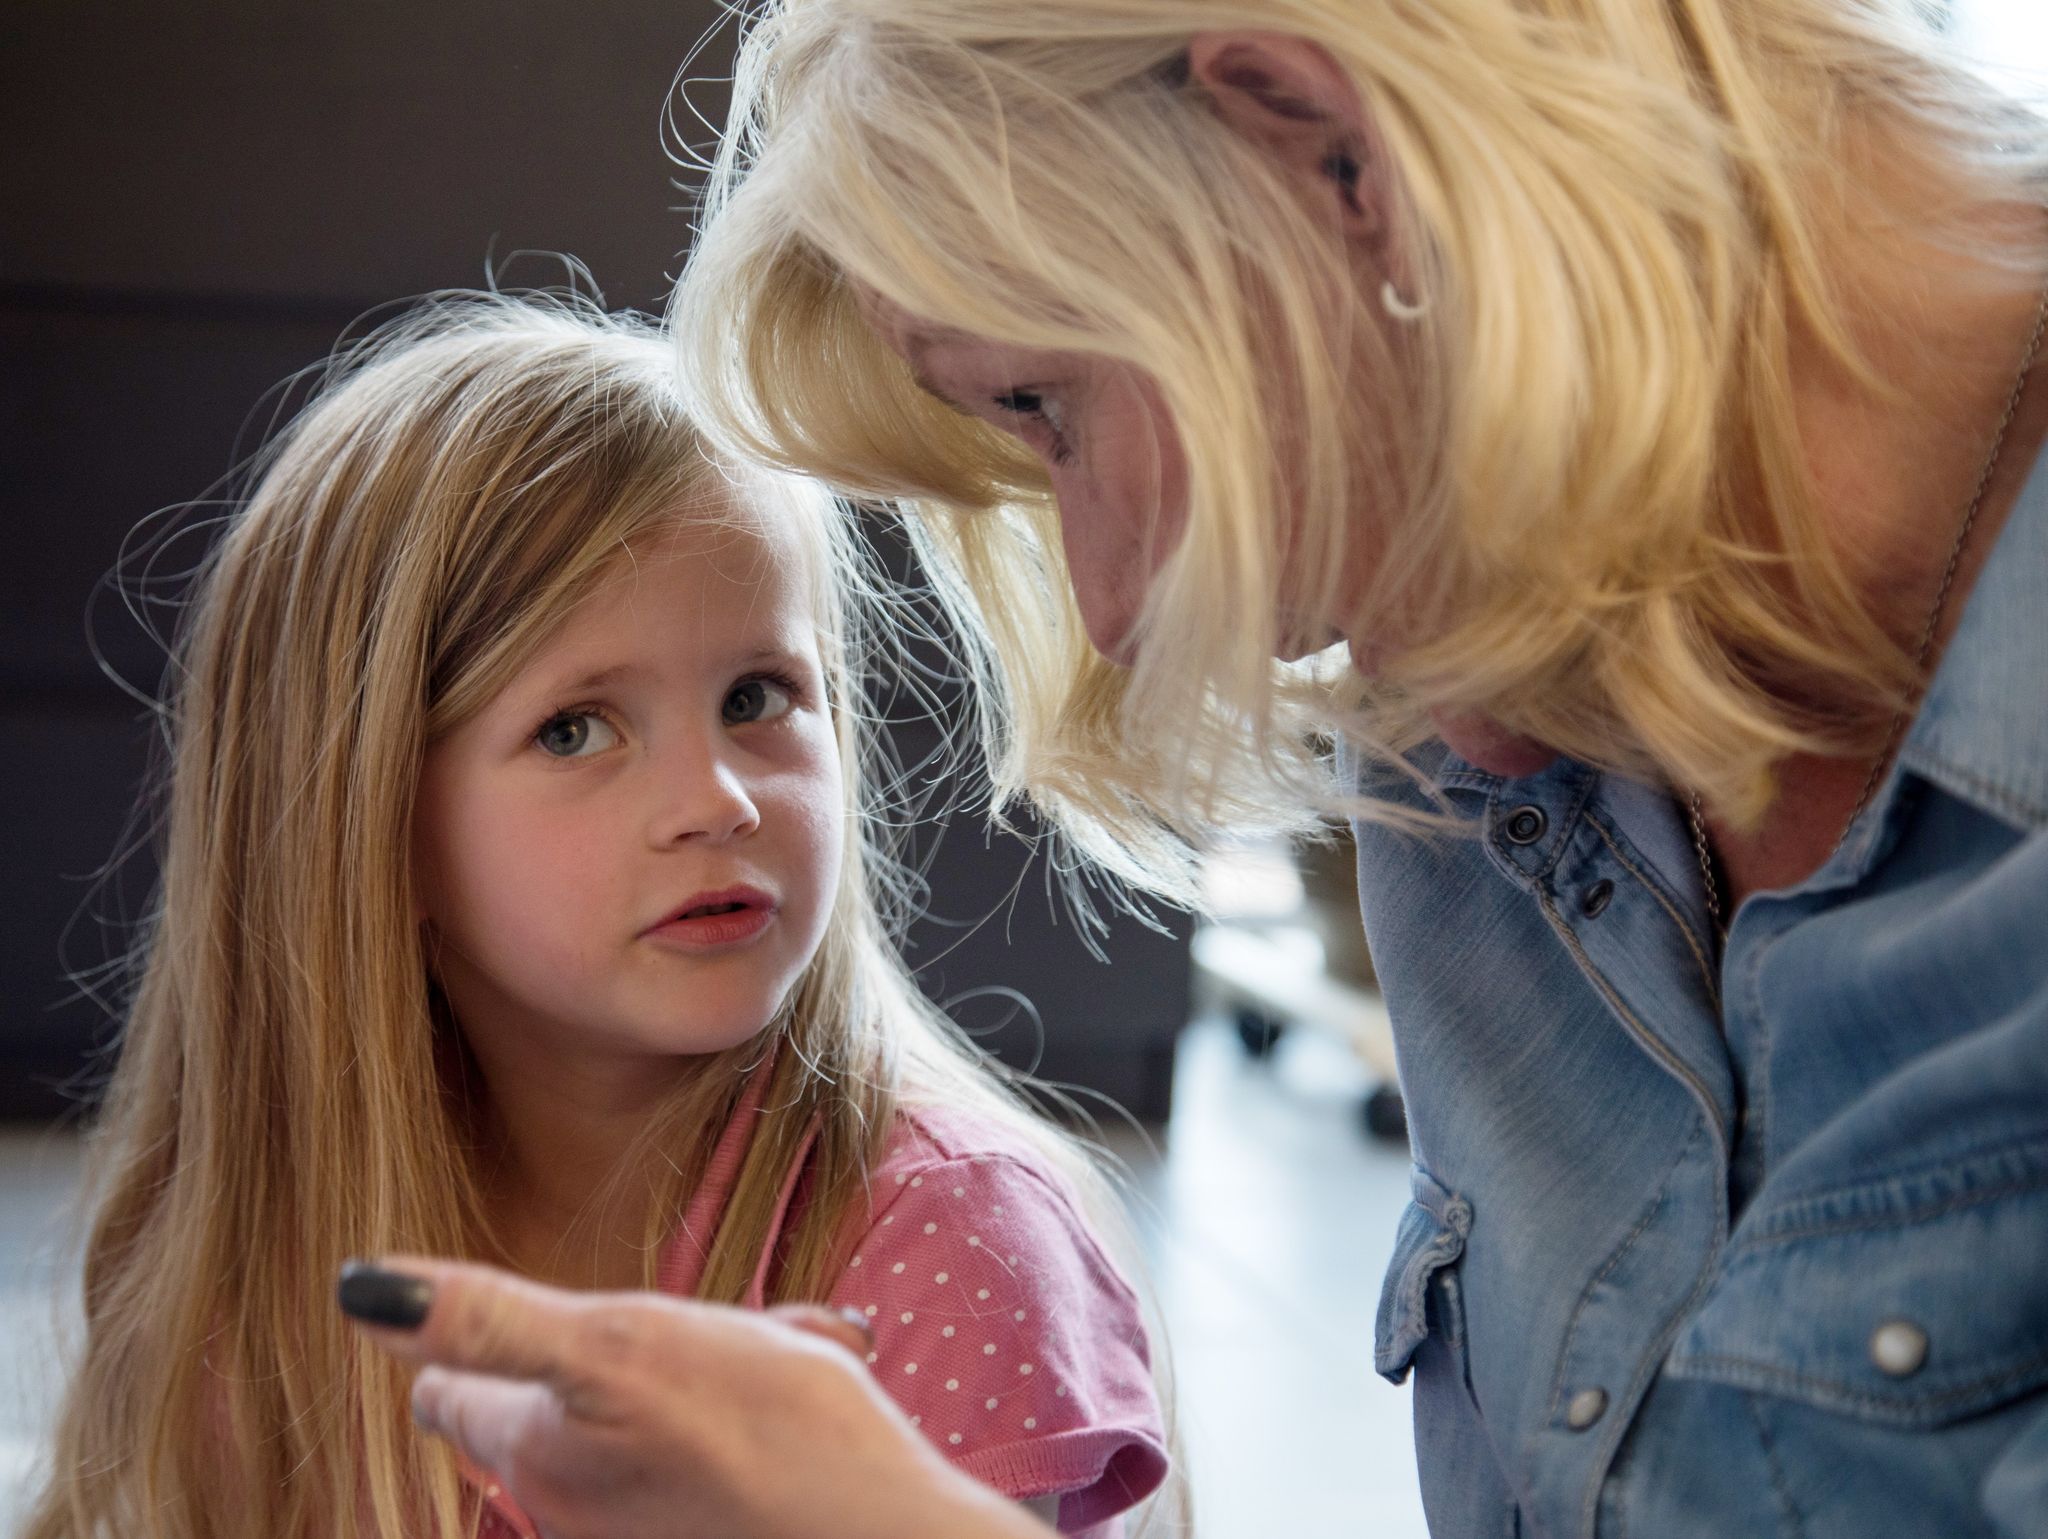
x=377, y=1297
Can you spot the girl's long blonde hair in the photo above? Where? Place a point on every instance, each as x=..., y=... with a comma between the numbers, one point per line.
x=1590, y=510
x=290, y=1089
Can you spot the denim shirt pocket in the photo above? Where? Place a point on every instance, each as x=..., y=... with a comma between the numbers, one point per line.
x=1912, y=1302
x=1420, y=1295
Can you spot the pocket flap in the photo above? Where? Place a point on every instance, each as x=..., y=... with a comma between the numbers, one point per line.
x=1911, y=1302
x=1432, y=1236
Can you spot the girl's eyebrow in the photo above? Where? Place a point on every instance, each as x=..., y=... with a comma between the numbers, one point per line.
x=589, y=681
x=774, y=654
x=754, y=657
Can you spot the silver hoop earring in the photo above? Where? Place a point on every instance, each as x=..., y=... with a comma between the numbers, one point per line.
x=1400, y=309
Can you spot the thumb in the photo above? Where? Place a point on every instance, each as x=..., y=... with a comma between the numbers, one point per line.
x=848, y=1327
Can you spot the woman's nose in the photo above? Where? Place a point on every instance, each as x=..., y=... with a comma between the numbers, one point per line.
x=701, y=795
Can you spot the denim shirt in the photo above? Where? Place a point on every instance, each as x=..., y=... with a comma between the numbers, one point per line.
x=1750, y=1250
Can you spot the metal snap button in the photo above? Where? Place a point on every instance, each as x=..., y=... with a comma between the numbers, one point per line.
x=1585, y=1408
x=1899, y=1348
x=1596, y=899
x=1525, y=825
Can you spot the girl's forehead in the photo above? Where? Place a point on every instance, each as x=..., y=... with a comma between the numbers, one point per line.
x=729, y=534
x=696, y=588
x=758, y=561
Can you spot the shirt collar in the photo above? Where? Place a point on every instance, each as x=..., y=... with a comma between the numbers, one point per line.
x=1982, y=731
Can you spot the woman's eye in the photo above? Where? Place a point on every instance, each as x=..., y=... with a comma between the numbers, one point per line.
x=756, y=700
x=1022, y=403
x=1036, y=407
x=575, y=735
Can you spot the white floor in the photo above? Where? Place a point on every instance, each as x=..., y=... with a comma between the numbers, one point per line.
x=1276, y=1217
x=1270, y=1219
x=38, y=1178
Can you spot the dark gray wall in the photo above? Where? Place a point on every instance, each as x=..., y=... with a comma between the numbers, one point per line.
x=195, y=200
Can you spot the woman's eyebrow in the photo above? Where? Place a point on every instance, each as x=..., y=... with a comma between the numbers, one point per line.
x=919, y=343
x=931, y=388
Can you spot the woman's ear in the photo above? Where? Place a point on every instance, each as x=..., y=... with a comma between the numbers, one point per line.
x=1289, y=97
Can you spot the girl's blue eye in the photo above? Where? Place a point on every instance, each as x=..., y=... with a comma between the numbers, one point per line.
x=757, y=700
x=575, y=735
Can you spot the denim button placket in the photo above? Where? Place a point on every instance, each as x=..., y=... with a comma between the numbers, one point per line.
x=1596, y=899
x=1525, y=825
x=1585, y=1408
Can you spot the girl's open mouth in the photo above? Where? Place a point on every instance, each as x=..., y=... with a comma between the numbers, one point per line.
x=711, y=920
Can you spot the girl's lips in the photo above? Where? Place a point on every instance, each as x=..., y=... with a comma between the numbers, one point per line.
x=715, y=930
x=727, y=917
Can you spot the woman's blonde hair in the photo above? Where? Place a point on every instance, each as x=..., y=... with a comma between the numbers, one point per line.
x=291, y=1089
x=1589, y=511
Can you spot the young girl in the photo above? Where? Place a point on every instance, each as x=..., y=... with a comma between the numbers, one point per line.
x=517, y=903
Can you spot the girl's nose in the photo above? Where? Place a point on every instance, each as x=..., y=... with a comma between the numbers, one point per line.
x=702, y=797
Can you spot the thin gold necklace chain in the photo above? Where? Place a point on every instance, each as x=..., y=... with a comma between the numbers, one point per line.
x=1926, y=646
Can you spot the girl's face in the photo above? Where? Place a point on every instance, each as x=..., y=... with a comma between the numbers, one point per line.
x=631, y=851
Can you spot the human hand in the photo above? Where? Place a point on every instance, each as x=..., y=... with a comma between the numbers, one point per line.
x=639, y=1416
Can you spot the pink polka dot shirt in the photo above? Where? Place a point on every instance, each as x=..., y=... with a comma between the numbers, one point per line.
x=1000, y=1327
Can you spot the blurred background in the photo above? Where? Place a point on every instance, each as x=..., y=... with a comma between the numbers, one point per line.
x=195, y=203
x=198, y=205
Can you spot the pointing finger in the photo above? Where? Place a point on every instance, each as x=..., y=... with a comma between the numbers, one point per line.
x=473, y=1318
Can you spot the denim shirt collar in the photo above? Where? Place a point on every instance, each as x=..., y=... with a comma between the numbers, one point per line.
x=1982, y=732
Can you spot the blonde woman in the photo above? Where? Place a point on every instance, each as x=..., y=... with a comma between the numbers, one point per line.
x=519, y=903
x=1627, y=410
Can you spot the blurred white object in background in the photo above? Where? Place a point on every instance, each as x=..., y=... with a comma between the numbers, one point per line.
x=2008, y=41
x=1282, y=947
x=1252, y=883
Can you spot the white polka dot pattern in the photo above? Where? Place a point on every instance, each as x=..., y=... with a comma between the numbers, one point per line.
x=1001, y=1329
